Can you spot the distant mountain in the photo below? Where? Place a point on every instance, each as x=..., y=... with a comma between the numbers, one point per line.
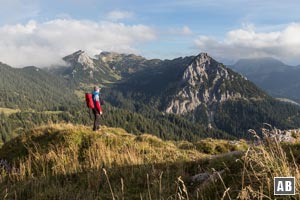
x=275, y=77
x=205, y=81
x=126, y=64
x=107, y=67
x=183, y=98
x=84, y=69
x=47, y=95
x=262, y=65
x=205, y=91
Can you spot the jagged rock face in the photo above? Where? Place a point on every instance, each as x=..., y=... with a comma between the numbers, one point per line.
x=85, y=69
x=203, y=83
x=86, y=61
x=80, y=57
x=108, y=56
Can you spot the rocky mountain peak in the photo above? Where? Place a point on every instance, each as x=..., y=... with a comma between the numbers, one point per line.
x=82, y=58
x=203, y=57
x=201, y=68
x=204, y=82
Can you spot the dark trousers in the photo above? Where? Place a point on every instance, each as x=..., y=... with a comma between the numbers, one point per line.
x=96, y=120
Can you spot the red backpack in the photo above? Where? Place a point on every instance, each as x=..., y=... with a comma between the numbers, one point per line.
x=89, y=100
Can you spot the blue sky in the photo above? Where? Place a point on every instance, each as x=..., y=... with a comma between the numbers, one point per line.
x=39, y=33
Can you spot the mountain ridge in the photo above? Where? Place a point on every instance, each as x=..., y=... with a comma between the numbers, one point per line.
x=195, y=91
x=204, y=91
x=275, y=77
x=208, y=76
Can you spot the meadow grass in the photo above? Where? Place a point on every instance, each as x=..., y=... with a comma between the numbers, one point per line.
x=9, y=111
x=64, y=161
x=265, y=161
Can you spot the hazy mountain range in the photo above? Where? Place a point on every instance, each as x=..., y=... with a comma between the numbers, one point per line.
x=197, y=90
x=273, y=76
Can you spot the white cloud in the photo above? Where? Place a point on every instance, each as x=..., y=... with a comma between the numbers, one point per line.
x=43, y=44
x=247, y=42
x=119, y=15
x=183, y=31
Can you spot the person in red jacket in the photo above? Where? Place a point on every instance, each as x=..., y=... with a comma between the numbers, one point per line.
x=97, y=111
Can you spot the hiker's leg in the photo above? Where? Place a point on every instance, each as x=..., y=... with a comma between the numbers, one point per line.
x=95, y=120
x=98, y=121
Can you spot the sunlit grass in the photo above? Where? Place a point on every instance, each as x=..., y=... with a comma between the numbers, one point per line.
x=64, y=161
x=9, y=111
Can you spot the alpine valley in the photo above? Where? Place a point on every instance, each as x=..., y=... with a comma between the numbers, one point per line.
x=184, y=98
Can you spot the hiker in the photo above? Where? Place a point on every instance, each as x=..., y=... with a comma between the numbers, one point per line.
x=97, y=110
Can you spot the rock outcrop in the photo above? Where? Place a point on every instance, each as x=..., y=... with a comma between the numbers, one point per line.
x=80, y=57
x=204, y=83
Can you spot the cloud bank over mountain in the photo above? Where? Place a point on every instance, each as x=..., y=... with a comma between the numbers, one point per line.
x=247, y=42
x=44, y=43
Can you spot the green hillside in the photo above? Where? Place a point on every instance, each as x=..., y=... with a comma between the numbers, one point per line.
x=33, y=88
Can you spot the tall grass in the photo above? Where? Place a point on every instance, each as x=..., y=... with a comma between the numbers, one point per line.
x=63, y=161
x=262, y=163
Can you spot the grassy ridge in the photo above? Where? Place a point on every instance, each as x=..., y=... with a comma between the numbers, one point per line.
x=109, y=140
x=64, y=161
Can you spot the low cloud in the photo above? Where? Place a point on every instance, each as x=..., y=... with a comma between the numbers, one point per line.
x=119, y=15
x=247, y=42
x=44, y=44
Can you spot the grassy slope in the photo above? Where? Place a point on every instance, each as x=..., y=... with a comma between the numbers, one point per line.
x=8, y=111
x=63, y=161
x=70, y=136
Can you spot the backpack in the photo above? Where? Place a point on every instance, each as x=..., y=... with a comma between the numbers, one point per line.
x=89, y=100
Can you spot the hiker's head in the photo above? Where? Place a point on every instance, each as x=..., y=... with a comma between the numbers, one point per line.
x=96, y=88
